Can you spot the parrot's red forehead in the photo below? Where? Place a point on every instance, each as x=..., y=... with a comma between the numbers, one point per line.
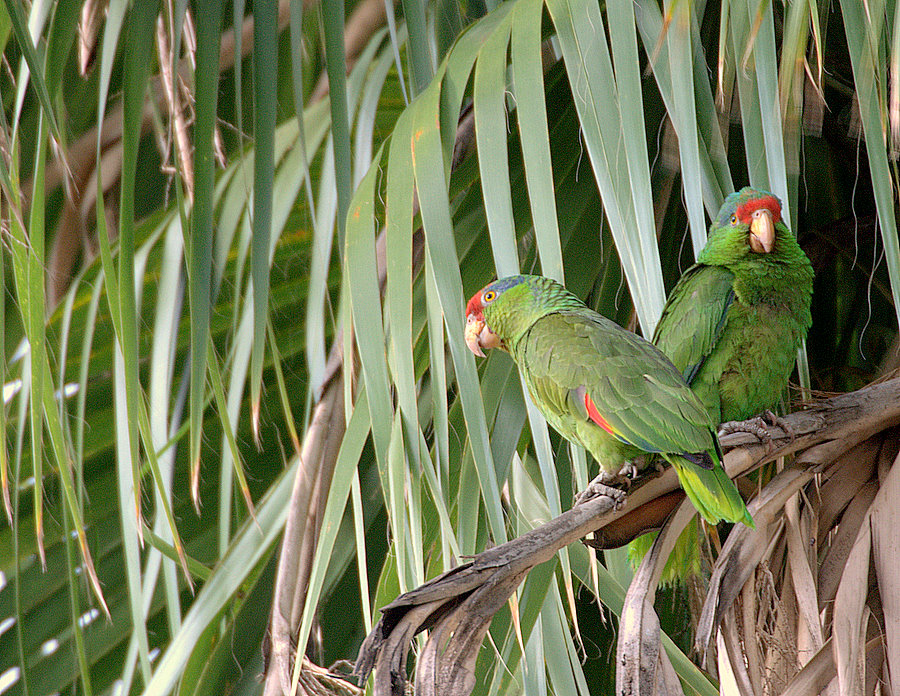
x=770, y=203
x=474, y=305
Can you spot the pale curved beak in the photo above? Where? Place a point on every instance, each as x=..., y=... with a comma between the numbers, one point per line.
x=762, y=231
x=479, y=336
x=473, y=334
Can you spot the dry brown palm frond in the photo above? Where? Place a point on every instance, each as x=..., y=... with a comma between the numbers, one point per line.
x=642, y=666
x=93, y=13
x=831, y=619
x=805, y=603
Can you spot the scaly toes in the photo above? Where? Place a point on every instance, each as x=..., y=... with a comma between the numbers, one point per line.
x=597, y=487
x=777, y=421
x=755, y=426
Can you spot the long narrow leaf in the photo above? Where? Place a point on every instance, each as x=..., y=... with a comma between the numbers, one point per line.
x=199, y=248
x=265, y=106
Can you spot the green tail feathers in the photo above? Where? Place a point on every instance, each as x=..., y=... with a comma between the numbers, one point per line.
x=713, y=494
x=683, y=562
x=716, y=498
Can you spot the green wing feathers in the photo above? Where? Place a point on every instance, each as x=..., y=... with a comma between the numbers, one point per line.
x=582, y=370
x=694, y=318
x=632, y=385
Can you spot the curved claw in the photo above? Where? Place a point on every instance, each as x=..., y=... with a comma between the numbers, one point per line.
x=779, y=422
x=629, y=470
x=758, y=426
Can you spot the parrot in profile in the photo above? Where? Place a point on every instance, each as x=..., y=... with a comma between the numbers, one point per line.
x=603, y=387
x=732, y=325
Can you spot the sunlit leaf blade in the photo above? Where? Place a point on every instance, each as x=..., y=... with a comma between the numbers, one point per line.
x=593, y=88
x=128, y=481
x=169, y=310
x=623, y=45
x=685, y=115
x=360, y=259
x=528, y=79
x=717, y=176
x=766, y=70
x=333, y=24
x=493, y=162
x=865, y=71
x=398, y=232
x=742, y=38
x=34, y=321
x=430, y=184
x=420, y=61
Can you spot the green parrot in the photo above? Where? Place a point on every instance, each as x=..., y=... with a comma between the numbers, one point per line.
x=733, y=324
x=603, y=387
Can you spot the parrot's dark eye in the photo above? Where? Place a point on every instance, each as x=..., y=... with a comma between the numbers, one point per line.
x=734, y=219
x=489, y=296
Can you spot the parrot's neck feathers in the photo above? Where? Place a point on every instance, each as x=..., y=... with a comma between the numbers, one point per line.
x=768, y=278
x=775, y=282
x=519, y=307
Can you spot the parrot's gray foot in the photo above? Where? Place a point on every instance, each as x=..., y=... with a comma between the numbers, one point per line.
x=777, y=421
x=758, y=426
x=607, y=478
x=597, y=487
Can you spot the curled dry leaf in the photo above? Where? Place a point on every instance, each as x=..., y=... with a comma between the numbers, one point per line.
x=842, y=542
x=638, y=652
x=884, y=523
x=818, y=673
x=849, y=609
x=843, y=480
x=810, y=638
x=743, y=551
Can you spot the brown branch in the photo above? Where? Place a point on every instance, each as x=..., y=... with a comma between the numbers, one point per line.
x=458, y=605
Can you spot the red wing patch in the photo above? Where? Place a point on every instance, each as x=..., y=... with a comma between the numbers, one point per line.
x=595, y=416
